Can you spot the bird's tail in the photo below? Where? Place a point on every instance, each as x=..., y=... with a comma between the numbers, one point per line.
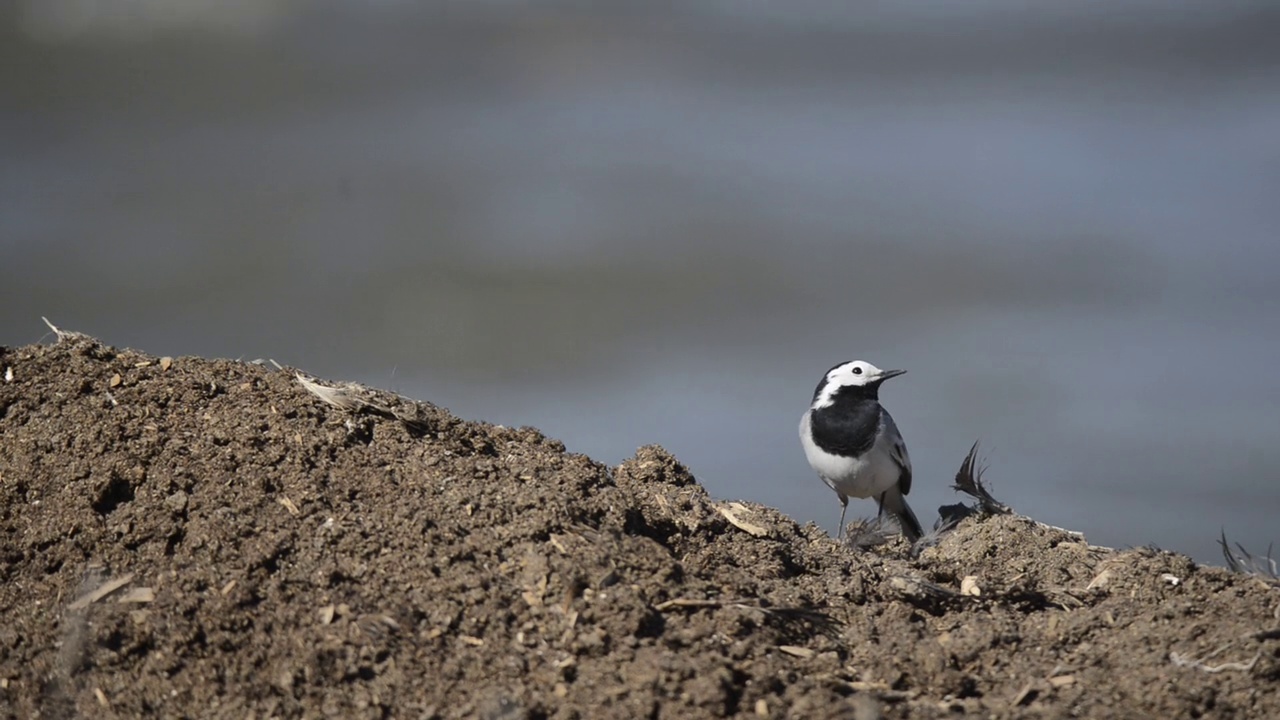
x=893, y=501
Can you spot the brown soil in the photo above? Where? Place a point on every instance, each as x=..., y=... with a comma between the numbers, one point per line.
x=207, y=538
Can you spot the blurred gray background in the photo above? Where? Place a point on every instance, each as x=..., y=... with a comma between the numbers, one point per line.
x=626, y=224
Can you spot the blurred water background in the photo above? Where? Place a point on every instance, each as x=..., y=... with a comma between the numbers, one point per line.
x=637, y=222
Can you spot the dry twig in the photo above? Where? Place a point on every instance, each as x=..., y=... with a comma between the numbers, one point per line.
x=63, y=334
x=1199, y=663
x=100, y=592
x=734, y=512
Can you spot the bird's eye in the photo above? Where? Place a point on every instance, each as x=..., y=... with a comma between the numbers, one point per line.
x=857, y=371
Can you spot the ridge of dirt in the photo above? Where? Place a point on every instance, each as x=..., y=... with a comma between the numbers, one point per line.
x=206, y=538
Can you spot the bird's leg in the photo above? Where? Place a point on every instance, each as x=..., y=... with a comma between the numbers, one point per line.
x=844, y=507
x=880, y=504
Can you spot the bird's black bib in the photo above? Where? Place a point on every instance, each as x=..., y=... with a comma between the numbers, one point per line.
x=849, y=425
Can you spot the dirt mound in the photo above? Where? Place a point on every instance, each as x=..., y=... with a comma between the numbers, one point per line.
x=207, y=538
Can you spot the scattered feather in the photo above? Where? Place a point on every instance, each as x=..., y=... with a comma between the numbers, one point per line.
x=1244, y=562
x=941, y=528
x=865, y=534
x=969, y=482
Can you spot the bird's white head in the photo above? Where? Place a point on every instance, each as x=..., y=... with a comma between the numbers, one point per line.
x=855, y=374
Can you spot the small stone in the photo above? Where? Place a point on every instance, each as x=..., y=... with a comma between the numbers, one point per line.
x=177, y=502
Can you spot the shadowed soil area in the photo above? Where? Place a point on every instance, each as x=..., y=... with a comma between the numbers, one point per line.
x=208, y=538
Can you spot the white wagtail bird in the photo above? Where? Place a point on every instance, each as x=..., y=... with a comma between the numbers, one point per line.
x=854, y=445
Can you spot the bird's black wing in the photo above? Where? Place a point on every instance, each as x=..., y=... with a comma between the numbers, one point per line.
x=898, y=451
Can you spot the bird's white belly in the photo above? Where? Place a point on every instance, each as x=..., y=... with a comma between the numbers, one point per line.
x=864, y=477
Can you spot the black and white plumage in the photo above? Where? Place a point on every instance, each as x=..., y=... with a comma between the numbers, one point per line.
x=853, y=444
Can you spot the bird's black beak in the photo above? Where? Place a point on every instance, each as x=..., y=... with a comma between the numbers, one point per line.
x=886, y=374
